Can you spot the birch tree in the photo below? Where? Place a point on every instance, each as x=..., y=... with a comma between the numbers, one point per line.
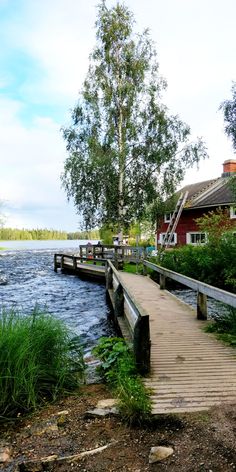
x=125, y=149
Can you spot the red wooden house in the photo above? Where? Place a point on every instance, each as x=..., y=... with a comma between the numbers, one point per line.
x=202, y=197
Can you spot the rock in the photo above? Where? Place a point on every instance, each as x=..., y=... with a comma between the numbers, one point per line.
x=159, y=453
x=44, y=428
x=108, y=403
x=3, y=281
x=5, y=454
x=98, y=412
x=63, y=413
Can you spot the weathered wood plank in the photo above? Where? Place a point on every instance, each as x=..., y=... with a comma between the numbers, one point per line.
x=190, y=370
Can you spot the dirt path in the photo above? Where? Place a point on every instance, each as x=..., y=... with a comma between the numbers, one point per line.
x=203, y=442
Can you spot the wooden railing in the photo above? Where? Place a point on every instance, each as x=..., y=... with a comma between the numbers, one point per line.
x=203, y=290
x=118, y=254
x=76, y=264
x=131, y=318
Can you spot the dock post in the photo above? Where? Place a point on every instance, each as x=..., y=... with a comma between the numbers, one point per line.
x=62, y=262
x=74, y=263
x=142, y=345
x=119, y=301
x=55, y=263
x=162, y=282
x=201, y=306
x=108, y=278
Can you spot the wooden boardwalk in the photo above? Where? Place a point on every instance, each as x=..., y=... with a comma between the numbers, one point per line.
x=190, y=370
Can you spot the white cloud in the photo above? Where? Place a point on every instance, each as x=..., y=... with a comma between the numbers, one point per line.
x=196, y=50
x=31, y=163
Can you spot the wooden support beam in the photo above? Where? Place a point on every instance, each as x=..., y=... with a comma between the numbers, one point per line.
x=119, y=301
x=201, y=306
x=162, y=282
x=109, y=282
x=55, y=263
x=141, y=343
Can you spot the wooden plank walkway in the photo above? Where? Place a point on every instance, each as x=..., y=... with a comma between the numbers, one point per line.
x=190, y=370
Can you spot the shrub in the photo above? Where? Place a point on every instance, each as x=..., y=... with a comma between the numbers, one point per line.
x=211, y=264
x=119, y=370
x=38, y=360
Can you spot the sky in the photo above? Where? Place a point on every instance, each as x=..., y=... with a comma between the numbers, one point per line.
x=45, y=45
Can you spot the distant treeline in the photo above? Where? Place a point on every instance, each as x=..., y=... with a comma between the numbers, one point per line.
x=14, y=234
x=93, y=234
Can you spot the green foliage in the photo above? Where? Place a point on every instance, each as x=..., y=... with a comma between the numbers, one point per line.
x=225, y=327
x=124, y=148
x=229, y=111
x=215, y=224
x=119, y=370
x=14, y=234
x=39, y=359
x=106, y=234
x=213, y=264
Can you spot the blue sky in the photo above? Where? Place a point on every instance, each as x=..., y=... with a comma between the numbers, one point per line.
x=43, y=60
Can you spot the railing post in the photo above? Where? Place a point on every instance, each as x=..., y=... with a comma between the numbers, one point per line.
x=74, y=263
x=144, y=266
x=108, y=278
x=55, y=263
x=142, y=343
x=201, y=306
x=162, y=282
x=62, y=262
x=116, y=257
x=119, y=301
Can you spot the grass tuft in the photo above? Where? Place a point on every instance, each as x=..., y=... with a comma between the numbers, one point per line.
x=38, y=360
x=224, y=327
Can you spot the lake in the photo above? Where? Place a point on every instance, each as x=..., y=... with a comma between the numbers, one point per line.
x=27, y=267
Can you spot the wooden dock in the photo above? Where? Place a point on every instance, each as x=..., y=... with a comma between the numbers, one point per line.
x=190, y=370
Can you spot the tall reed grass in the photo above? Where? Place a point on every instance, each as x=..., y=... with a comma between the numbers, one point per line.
x=38, y=360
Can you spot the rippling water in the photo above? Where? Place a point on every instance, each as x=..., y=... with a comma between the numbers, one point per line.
x=215, y=309
x=31, y=280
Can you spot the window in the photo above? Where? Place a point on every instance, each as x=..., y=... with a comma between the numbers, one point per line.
x=167, y=217
x=195, y=238
x=233, y=212
x=173, y=239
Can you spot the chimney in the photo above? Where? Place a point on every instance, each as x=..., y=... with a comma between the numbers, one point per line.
x=229, y=167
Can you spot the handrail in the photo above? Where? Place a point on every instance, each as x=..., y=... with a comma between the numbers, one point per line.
x=134, y=302
x=202, y=288
x=140, y=331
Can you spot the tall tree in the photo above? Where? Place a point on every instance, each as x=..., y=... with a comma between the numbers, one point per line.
x=229, y=111
x=124, y=148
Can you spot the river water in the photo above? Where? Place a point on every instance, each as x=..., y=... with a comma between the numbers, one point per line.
x=27, y=267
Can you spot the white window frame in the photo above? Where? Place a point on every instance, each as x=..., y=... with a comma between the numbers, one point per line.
x=188, y=238
x=233, y=212
x=161, y=238
x=167, y=217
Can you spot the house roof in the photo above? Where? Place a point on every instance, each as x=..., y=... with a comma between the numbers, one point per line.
x=209, y=193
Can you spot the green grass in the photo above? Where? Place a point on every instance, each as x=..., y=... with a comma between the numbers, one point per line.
x=39, y=360
x=119, y=370
x=224, y=327
x=133, y=268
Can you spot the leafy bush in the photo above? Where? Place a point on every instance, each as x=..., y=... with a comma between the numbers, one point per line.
x=38, y=360
x=211, y=264
x=119, y=370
